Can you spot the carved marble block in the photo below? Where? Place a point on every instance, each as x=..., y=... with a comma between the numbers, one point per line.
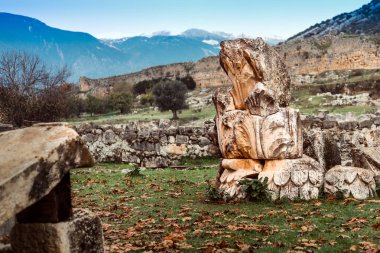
x=368, y=158
x=293, y=178
x=234, y=170
x=261, y=101
x=253, y=122
x=358, y=182
x=248, y=62
x=277, y=136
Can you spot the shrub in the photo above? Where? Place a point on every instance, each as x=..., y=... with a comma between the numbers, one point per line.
x=31, y=92
x=214, y=194
x=256, y=189
x=96, y=105
x=142, y=87
x=147, y=99
x=121, y=102
x=134, y=172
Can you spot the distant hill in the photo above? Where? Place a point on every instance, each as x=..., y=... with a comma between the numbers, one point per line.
x=363, y=21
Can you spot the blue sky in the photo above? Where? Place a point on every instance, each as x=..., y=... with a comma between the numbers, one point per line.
x=122, y=18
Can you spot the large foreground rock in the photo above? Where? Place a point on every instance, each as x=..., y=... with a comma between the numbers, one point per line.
x=368, y=158
x=293, y=178
x=358, y=182
x=81, y=234
x=33, y=161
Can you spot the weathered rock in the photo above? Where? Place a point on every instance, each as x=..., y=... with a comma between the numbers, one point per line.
x=358, y=182
x=83, y=233
x=33, y=161
x=248, y=62
x=234, y=170
x=321, y=146
x=261, y=101
x=293, y=178
x=242, y=164
x=368, y=158
x=223, y=101
x=348, y=125
x=277, y=136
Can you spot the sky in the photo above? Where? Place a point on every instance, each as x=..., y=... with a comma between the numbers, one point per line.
x=125, y=18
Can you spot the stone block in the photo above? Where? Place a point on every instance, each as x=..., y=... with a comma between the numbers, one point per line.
x=277, y=136
x=181, y=139
x=234, y=170
x=109, y=137
x=367, y=123
x=203, y=141
x=368, y=158
x=261, y=101
x=321, y=146
x=247, y=62
x=358, y=182
x=328, y=124
x=293, y=178
x=174, y=149
x=348, y=125
x=81, y=234
x=34, y=161
x=171, y=139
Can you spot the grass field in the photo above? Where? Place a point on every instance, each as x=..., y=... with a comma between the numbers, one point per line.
x=186, y=116
x=308, y=103
x=166, y=211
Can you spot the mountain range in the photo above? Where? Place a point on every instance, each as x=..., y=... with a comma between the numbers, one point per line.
x=88, y=56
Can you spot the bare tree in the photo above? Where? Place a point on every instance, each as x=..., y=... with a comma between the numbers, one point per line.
x=29, y=91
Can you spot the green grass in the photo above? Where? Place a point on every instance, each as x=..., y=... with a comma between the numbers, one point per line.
x=185, y=116
x=165, y=210
x=305, y=99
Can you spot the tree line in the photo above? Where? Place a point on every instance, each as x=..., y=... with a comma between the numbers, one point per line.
x=31, y=92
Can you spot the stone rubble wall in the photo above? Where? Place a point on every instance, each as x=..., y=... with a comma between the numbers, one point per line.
x=339, y=122
x=161, y=143
x=154, y=144
x=348, y=132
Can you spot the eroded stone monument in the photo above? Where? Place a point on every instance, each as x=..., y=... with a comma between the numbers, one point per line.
x=258, y=135
x=35, y=187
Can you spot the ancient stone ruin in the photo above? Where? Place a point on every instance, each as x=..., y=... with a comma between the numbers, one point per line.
x=35, y=188
x=259, y=136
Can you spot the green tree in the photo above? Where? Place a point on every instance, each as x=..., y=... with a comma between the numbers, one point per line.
x=121, y=102
x=75, y=106
x=189, y=81
x=95, y=105
x=147, y=99
x=143, y=86
x=170, y=95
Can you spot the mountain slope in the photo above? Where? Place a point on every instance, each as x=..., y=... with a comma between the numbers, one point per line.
x=363, y=21
x=158, y=50
x=83, y=53
x=88, y=56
